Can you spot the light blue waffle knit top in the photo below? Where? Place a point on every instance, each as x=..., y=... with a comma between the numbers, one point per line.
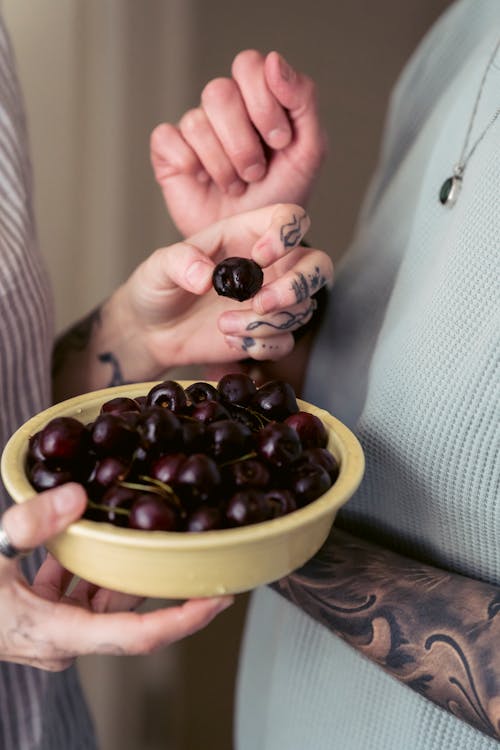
x=409, y=358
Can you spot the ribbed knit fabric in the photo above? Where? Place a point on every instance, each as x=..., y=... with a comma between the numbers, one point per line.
x=38, y=710
x=409, y=358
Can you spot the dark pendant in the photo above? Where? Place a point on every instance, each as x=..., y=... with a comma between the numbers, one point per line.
x=449, y=191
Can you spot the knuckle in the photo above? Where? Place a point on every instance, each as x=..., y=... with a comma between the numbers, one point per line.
x=248, y=58
x=218, y=91
x=192, y=120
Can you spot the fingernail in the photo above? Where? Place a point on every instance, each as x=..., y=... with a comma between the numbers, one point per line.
x=287, y=72
x=255, y=172
x=223, y=603
x=236, y=188
x=234, y=342
x=67, y=498
x=266, y=301
x=197, y=274
x=228, y=323
x=278, y=138
x=240, y=343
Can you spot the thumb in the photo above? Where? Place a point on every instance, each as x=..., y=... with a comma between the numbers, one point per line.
x=35, y=521
x=296, y=92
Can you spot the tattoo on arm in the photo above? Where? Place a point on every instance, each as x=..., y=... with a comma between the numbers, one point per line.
x=435, y=631
x=76, y=341
x=291, y=233
x=116, y=378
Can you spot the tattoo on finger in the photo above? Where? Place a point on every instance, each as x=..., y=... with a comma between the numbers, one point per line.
x=291, y=233
x=289, y=320
x=304, y=287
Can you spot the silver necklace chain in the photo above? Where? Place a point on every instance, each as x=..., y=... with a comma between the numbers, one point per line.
x=451, y=186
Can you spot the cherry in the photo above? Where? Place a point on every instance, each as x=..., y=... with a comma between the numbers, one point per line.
x=227, y=439
x=236, y=388
x=308, y=482
x=198, y=392
x=238, y=278
x=63, y=439
x=275, y=400
x=166, y=468
x=169, y=395
x=250, y=472
x=324, y=458
x=246, y=507
x=310, y=429
x=117, y=499
x=279, y=444
x=152, y=513
x=197, y=478
x=209, y=411
x=159, y=430
x=204, y=518
x=119, y=405
x=111, y=434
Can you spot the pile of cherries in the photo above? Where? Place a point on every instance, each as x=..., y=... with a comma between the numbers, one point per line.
x=195, y=459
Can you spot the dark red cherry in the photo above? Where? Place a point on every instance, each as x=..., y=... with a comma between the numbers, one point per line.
x=151, y=512
x=42, y=477
x=275, y=400
x=227, y=439
x=278, y=443
x=308, y=482
x=63, y=439
x=236, y=388
x=204, y=518
x=113, y=435
x=310, y=429
x=246, y=507
x=119, y=405
x=201, y=391
x=209, y=411
x=169, y=395
x=238, y=278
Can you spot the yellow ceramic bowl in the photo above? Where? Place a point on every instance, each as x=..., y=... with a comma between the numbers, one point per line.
x=181, y=565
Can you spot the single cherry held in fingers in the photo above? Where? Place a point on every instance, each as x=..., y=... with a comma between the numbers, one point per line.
x=238, y=278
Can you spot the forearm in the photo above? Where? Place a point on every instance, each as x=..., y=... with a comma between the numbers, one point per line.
x=103, y=349
x=437, y=632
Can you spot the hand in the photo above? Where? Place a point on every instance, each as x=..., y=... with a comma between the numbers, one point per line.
x=46, y=625
x=169, y=315
x=255, y=139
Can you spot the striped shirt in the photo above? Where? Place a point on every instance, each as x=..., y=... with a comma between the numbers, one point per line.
x=38, y=710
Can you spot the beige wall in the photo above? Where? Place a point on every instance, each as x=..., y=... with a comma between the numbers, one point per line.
x=98, y=75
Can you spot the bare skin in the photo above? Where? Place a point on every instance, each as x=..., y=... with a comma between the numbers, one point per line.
x=47, y=626
x=167, y=313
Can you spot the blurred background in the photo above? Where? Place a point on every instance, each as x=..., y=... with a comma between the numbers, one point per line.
x=98, y=75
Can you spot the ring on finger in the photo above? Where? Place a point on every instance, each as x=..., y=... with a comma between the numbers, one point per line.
x=7, y=549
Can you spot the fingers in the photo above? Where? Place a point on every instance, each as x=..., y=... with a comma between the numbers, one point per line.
x=78, y=632
x=171, y=155
x=32, y=523
x=264, y=102
x=265, y=112
x=248, y=323
x=267, y=233
x=311, y=272
x=199, y=133
x=296, y=93
x=262, y=348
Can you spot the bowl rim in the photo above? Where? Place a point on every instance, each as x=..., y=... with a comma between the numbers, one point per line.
x=352, y=464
